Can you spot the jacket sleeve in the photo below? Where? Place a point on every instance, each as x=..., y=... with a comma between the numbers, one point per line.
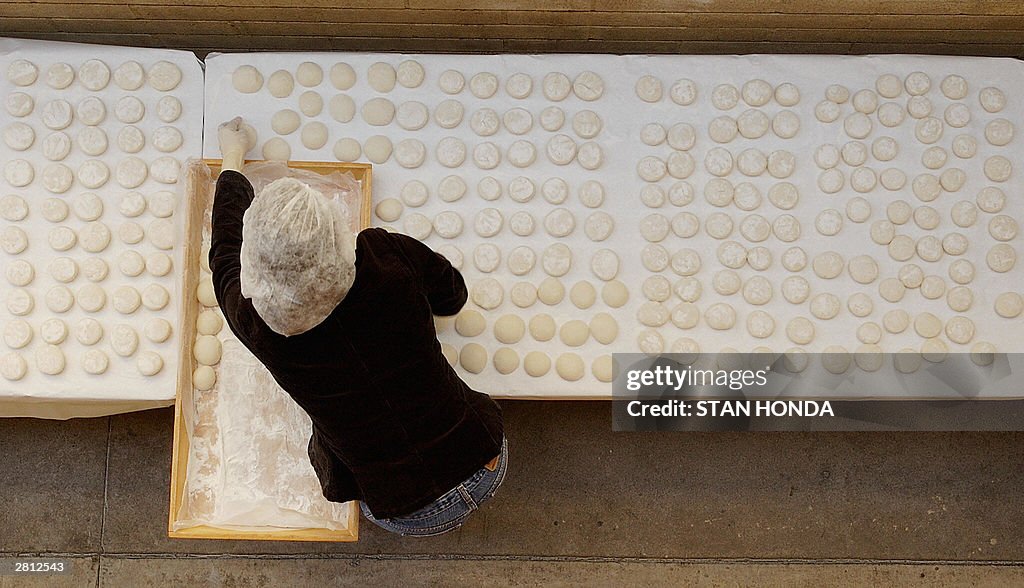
x=443, y=284
x=232, y=198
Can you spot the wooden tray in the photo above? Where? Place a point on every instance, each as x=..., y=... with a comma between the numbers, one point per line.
x=201, y=188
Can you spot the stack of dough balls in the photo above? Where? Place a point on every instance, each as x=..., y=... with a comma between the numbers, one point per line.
x=207, y=347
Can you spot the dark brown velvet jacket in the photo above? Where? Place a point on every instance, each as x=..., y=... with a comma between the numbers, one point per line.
x=393, y=424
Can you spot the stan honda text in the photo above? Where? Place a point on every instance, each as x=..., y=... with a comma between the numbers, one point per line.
x=729, y=408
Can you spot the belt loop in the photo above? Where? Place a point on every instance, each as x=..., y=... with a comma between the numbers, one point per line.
x=466, y=496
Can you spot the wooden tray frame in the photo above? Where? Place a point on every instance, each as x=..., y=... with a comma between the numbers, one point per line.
x=183, y=397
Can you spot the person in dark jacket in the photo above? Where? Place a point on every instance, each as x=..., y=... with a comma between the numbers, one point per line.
x=349, y=335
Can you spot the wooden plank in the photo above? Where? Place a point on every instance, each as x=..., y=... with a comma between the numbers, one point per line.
x=671, y=47
x=274, y=28
x=249, y=30
x=863, y=7
x=773, y=20
x=206, y=43
x=848, y=25
x=330, y=16
x=906, y=7
x=181, y=18
x=326, y=15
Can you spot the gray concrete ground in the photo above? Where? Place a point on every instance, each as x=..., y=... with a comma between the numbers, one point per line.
x=581, y=506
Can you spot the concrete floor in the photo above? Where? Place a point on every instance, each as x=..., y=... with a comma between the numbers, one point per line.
x=581, y=506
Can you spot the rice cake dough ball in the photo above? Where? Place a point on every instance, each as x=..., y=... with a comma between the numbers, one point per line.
x=342, y=108
x=486, y=257
x=149, y=363
x=487, y=293
x=50, y=360
x=586, y=124
x=556, y=86
x=858, y=125
x=19, y=136
x=410, y=74
x=561, y=149
x=20, y=302
x=247, y=79
x=412, y=115
x=22, y=72
x=537, y=363
x=378, y=149
x=281, y=84
x=999, y=132
x=552, y=118
x=483, y=85
x=588, y=86
x=378, y=111
x=865, y=101
x=342, y=76
x=347, y=149
x=18, y=333
x=505, y=360
x=155, y=297
x=19, y=173
x=574, y=333
x=523, y=294
x=451, y=81
x=93, y=173
x=470, y=323
x=723, y=129
x=786, y=124
x=682, y=136
x=569, y=366
x=94, y=75
x=159, y=330
x=59, y=299
x=720, y=316
x=615, y=294
x=129, y=76
x=130, y=139
x=725, y=96
x=56, y=146
x=94, y=237
x=20, y=272
x=827, y=111
x=1009, y=304
x=603, y=368
x=889, y=85
x=649, y=89
x=131, y=172
x=753, y=124
x=992, y=99
x=207, y=350
x=542, y=327
x=509, y=329
x=164, y=76
x=683, y=92
x=998, y=168
x=19, y=104
x=381, y=77
x=653, y=134
x=919, y=106
x=756, y=92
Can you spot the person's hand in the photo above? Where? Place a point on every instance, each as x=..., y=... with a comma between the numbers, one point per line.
x=234, y=143
x=232, y=137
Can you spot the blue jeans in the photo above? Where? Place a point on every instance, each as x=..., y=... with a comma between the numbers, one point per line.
x=448, y=512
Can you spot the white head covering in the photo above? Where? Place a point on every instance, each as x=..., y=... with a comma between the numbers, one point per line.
x=298, y=256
